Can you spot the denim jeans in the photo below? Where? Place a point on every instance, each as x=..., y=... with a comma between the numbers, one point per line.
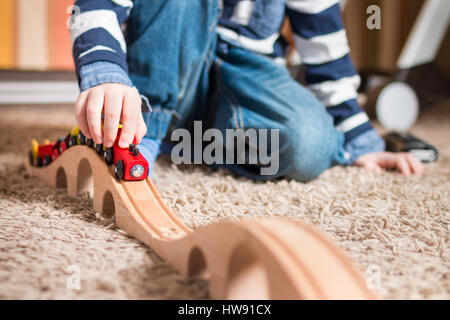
x=190, y=74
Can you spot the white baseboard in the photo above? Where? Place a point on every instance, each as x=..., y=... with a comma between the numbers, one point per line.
x=38, y=92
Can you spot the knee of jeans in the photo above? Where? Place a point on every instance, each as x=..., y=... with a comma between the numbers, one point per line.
x=306, y=152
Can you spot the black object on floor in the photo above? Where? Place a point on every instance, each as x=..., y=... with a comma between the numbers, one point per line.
x=406, y=142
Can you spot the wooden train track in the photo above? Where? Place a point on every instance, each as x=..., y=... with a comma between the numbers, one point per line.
x=249, y=259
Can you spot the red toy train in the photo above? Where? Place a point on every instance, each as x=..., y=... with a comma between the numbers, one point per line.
x=129, y=164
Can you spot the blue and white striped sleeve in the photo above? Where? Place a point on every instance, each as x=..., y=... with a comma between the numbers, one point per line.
x=96, y=32
x=329, y=72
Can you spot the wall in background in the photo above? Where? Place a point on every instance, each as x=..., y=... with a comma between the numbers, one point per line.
x=442, y=59
x=34, y=35
x=378, y=50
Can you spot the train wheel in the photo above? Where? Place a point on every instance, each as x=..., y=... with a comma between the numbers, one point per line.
x=109, y=156
x=73, y=141
x=90, y=143
x=39, y=161
x=99, y=148
x=68, y=140
x=82, y=138
x=30, y=158
x=47, y=160
x=118, y=170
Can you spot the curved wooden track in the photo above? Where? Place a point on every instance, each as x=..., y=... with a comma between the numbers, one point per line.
x=249, y=259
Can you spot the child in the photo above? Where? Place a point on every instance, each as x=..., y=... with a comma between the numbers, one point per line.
x=217, y=61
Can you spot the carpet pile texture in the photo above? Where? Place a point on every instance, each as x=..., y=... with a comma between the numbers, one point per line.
x=396, y=229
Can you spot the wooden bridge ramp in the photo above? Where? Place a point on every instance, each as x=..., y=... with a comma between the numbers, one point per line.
x=270, y=258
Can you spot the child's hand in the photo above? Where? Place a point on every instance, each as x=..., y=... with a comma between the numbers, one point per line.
x=118, y=103
x=405, y=162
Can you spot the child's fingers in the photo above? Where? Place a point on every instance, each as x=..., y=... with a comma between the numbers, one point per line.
x=113, y=108
x=415, y=165
x=129, y=119
x=94, y=109
x=141, y=130
x=403, y=165
x=372, y=166
x=80, y=114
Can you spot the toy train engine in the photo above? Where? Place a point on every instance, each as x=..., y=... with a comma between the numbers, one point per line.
x=129, y=163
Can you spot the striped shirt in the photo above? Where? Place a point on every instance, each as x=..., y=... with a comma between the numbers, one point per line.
x=318, y=31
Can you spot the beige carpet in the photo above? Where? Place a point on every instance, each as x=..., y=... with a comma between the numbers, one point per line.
x=396, y=226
